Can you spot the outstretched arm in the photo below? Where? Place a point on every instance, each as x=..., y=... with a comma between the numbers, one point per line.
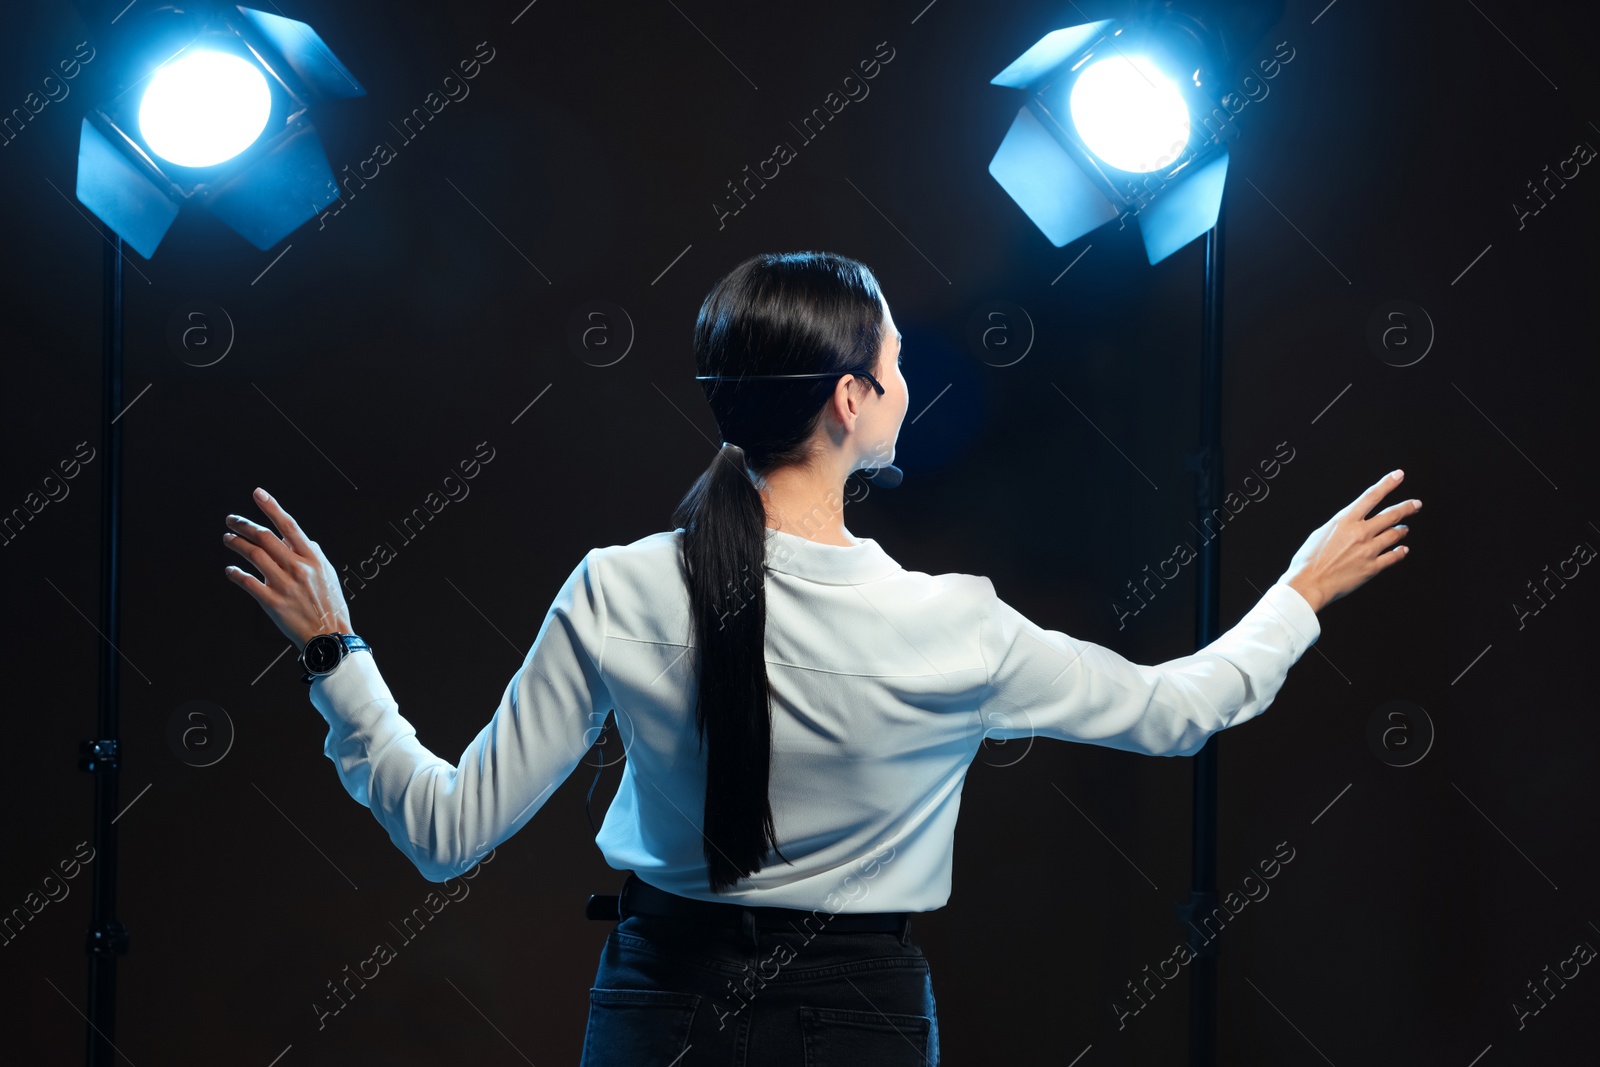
x=1046, y=683
x=443, y=816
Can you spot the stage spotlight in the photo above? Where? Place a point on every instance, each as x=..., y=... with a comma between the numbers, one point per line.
x=213, y=109
x=1131, y=120
x=1122, y=119
x=204, y=109
x=1129, y=113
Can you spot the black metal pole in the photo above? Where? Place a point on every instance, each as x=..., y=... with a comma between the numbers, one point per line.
x=107, y=938
x=1206, y=461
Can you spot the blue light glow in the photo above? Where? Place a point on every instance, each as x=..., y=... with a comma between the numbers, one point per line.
x=1130, y=114
x=204, y=109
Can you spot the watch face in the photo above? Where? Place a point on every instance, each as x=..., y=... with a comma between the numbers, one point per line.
x=322, y=653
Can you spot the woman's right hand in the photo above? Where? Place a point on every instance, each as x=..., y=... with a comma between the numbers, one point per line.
x=1345, y=552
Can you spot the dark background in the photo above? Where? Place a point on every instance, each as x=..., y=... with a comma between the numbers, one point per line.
x=382, y=348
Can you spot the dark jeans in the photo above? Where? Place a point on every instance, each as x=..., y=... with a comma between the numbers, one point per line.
x=672, y=993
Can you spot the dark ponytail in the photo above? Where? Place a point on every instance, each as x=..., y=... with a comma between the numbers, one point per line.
x=789, y=313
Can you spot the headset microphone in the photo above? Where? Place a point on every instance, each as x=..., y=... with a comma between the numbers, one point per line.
x=886, y=477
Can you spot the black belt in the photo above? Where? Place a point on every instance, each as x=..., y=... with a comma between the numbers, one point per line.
x=641, y=898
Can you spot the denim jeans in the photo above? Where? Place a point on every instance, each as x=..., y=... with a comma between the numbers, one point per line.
x=673, y=993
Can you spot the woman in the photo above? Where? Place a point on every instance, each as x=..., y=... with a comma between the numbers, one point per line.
x=790, y=794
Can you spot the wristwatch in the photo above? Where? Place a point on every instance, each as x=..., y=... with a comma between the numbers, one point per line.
x=324, y=652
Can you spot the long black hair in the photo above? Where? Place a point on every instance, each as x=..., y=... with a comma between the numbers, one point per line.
x=775, y=313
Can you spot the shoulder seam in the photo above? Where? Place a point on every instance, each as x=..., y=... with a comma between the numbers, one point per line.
x=605, y=609
x=988, y=671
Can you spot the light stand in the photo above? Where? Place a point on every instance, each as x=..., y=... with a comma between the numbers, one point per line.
x=1206, y=462
x=107, y=937
x=262, y=172
x=1125, y=148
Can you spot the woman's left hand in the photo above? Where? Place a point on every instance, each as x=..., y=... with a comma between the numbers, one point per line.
x=300, y=590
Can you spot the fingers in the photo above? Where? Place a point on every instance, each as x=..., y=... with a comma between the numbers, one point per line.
x=1369, y=500
x=246, y=543
x=1387, y=539
x=248, y=582
x=1390, y=551
x=292, y=534
x=280, y=550
x=266, y=542
x=1395, y=512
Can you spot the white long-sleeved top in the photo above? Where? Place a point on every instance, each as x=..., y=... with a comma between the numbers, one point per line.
x=884, y=683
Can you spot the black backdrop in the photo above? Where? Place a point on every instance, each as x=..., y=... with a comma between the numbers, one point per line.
x=377, y=348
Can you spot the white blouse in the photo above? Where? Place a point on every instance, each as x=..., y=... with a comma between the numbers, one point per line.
x=884, y=683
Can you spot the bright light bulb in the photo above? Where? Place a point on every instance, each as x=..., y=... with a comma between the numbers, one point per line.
x=1130, y=114
x=204, y=109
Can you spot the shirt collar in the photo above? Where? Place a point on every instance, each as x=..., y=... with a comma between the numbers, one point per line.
x=802, y=557
x=865, y=561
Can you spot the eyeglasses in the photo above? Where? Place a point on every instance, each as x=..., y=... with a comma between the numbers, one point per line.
x=820, y=374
